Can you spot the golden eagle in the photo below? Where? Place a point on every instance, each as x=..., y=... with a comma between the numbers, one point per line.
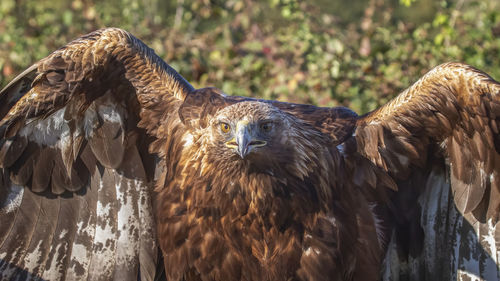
x=114, y=166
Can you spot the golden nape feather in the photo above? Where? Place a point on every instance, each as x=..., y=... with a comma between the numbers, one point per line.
x=115, y=168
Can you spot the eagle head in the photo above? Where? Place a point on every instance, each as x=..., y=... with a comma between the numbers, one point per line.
x=258, y=137
x=249, y=130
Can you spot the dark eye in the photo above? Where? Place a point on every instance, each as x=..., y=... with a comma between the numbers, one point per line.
x=224, y=127
x=266, y=127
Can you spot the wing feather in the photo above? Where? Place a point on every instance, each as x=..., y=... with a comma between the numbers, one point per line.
x=449, y=117
x=75, y=195
x=16, y=244
x=455, y=106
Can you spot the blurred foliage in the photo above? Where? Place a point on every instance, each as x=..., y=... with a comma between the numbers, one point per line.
x=352, y=53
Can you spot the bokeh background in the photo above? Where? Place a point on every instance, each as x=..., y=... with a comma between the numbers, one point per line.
x=357, y=53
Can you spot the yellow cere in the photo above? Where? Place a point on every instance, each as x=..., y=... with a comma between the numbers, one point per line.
x=232, y=143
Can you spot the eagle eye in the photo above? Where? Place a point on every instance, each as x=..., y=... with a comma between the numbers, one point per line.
x=224, y=127
x=266, y=126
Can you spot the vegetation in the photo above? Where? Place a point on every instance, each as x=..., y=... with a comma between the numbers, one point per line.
x=352, y=53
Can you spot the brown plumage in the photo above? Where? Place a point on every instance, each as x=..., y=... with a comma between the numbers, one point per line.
x=114, y=167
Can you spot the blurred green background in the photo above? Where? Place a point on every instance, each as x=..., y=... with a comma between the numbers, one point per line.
x=356, y=53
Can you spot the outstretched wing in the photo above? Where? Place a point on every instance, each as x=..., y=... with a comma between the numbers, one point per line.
x=76, y=180
x=443, y=131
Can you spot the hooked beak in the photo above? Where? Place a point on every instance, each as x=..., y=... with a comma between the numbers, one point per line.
x=244, y=142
